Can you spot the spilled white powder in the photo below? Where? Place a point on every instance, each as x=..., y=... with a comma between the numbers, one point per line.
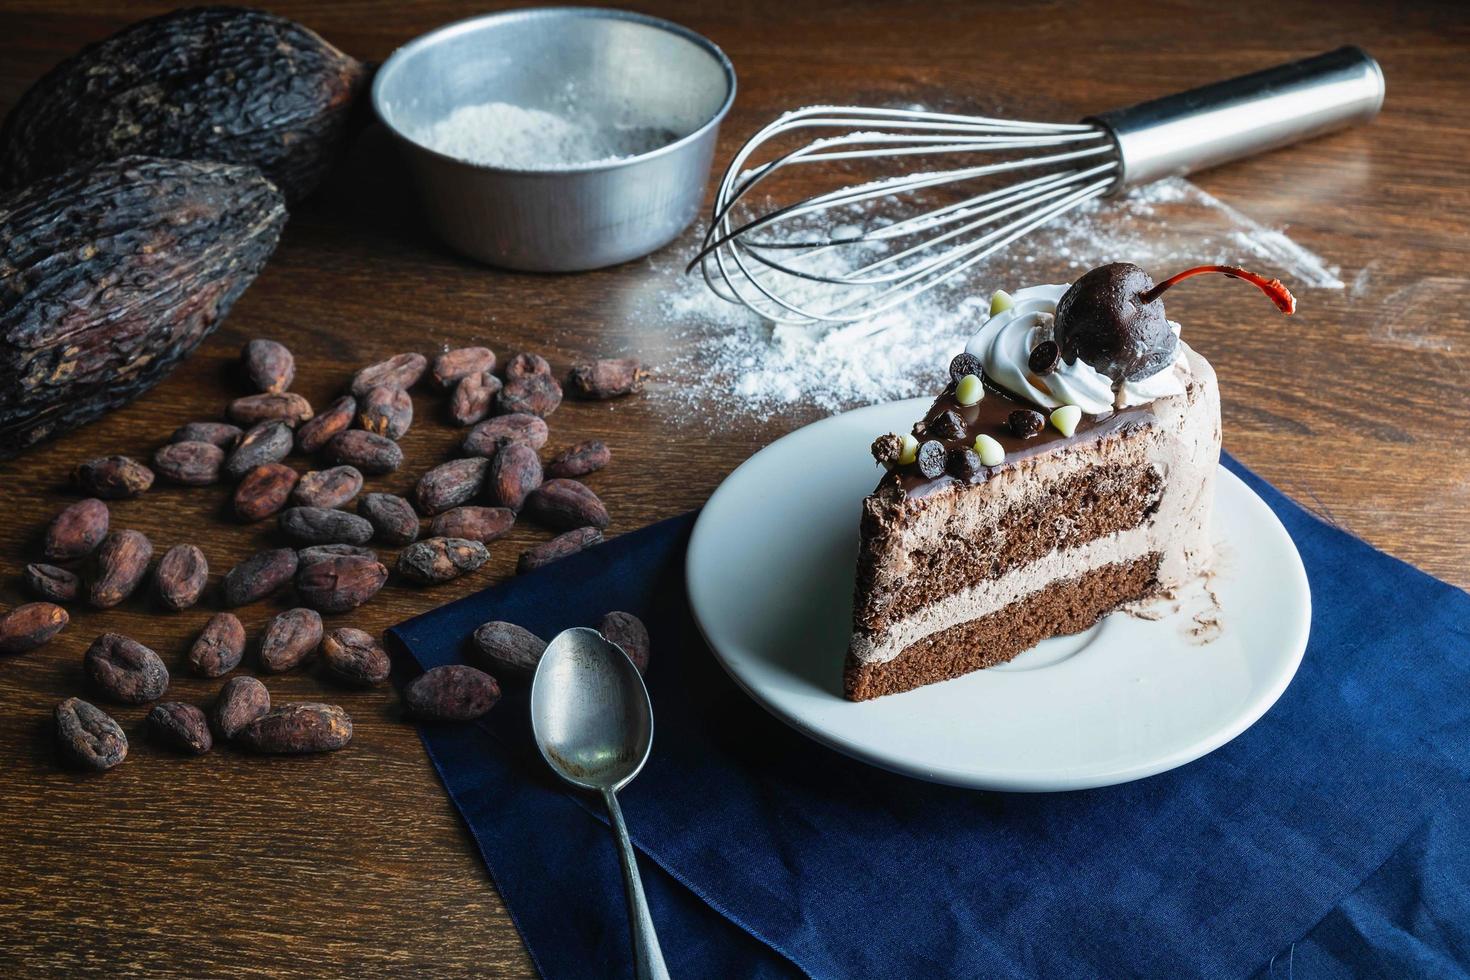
x=499, y=134
x=722, y=358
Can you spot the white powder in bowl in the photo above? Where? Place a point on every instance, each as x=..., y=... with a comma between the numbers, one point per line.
x=499, y=134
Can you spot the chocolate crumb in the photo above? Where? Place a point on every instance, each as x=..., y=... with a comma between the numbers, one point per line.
x=887, y=448
x=1024, y=423
x=963, y=462
x=948, y=426
x=964, y=364
x=1044, y=357
x=931, y=458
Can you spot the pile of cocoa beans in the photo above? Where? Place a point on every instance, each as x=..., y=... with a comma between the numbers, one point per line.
x=327, y=560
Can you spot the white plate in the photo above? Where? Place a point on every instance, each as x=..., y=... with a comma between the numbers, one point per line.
x=770, y=574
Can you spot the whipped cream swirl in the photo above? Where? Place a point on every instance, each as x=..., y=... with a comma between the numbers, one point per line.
x=1004, y=345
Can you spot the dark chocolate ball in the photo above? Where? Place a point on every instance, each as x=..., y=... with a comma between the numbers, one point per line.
x=1103, y=320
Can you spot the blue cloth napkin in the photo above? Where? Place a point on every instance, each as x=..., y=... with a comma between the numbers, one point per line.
x=1332, y=839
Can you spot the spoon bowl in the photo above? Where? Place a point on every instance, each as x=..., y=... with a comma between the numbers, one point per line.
x=590, y=711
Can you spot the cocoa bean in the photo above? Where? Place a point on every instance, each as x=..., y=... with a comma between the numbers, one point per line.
x=493, y=435
x=191, y=464
x=401, y=371
x=220, y=434
x=264, y=491
x=298, y=728
x=76, y=531
x=368, y=451
x=339, y=583
x=315, y=434
x=125, y=670
x=473, y=398
x=322, y=525
x=122, y=561
x=240, y=701
x=508, y=648
x=526, y=365
x=219, y=647
x=558, y=547
x=268, y=365
x=285, y=406
x=320, y=552
x=328, y=488
x=180, y=577
x=628, y=632
x=436, y=560
x=289, y=639
x=268, y=442
x=566, y=504
x=52, y=583
x=393, y=518
x=88, y=737
x=30, y=626
x=482, y=524
x=258, y=576
x=538, y=395
x=455, y=365
x=387, y=411
x=452, y=692
x=610, y=377
x=579, y=460
x=113, y=477
x=355, y=657
x=451, y=484
x=180, y=726
x=515, y=471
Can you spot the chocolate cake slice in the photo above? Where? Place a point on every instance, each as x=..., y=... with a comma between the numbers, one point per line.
x=1061, y=474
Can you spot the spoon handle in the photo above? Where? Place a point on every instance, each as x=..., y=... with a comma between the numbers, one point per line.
x=648, y=959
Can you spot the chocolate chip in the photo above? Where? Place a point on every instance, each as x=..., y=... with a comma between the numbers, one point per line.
x=1025, y=423
x=887, y=448
x=1044, y=357
x=947, y=426
x=962, y=365
x=963, y=462
x=931, y=458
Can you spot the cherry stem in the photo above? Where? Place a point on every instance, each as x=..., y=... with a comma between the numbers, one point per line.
x=1279, y=294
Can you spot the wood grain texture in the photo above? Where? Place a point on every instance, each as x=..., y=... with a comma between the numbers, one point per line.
x=355, y=863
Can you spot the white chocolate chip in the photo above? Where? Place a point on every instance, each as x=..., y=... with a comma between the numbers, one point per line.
x=910, y=451
x=990, y=452
x=1066, y=419
x=969, y=390
x=1000, y=301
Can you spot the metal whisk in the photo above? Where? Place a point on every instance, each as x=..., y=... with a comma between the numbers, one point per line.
x=826, y=259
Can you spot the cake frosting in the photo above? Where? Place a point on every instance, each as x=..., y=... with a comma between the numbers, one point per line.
x=1005, y=341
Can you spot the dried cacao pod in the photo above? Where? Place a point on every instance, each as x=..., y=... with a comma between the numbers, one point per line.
x=222, y=83
x=355, y=657
x=181, y=576
x=437, y=560
x=112, y=275
x=456, y=365
x=30, y=626
x=559, y=547
x=219, y=647
x=181, y=727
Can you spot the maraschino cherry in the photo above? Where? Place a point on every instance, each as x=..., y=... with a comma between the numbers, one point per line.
x=1112, y=318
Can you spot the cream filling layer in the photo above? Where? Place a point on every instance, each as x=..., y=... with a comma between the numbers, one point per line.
x=994, y=594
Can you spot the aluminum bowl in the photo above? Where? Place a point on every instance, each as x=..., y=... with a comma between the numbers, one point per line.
x=579, y=216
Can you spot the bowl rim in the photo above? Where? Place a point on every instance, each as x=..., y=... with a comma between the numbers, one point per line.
x=429, y=38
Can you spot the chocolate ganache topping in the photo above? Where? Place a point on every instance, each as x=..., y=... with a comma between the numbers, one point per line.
x=1024, y=358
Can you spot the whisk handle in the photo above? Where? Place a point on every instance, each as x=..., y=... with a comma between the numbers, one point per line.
x=1239, y=117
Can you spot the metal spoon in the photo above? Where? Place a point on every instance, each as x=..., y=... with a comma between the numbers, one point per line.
x=594, y=726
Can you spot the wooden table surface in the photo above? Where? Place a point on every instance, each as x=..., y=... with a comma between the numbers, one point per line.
x=356, y=863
